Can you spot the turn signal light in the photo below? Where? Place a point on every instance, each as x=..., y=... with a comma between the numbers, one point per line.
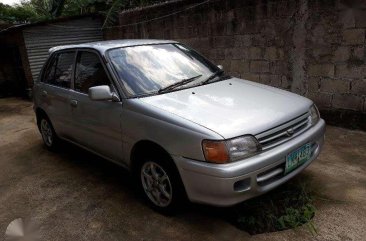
x=215, y=151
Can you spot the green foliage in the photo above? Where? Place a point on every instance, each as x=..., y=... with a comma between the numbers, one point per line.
x=296, y=217
x=288, y=207
x=111, y=15
x=41, y=7
x=80, y=7
x=26, y=11
x=17, y=13
x=36, y=10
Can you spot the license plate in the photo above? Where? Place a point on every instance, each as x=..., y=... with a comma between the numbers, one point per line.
x=297, y=158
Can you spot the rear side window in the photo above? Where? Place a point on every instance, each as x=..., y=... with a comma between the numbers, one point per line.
x=59, y=70
x=89, y=72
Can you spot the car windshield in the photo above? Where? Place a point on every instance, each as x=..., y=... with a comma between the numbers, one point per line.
x=148, y=69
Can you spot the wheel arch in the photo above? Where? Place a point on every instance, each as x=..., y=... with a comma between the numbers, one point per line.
x=142, y=148
x=40, y=113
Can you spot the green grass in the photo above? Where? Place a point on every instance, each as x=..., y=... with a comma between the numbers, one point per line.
x=287, y=207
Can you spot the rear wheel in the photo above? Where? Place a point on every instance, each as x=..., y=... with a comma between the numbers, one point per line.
x=49, y=136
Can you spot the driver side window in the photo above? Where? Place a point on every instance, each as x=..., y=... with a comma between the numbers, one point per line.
x=89, y=72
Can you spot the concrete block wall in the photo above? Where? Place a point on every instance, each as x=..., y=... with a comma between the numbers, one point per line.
x=336, y=55
x=315, y=48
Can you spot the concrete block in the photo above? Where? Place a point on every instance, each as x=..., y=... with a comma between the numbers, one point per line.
x=359, y=53
x=219, y=54
x=255, y=53
x=326, y=70
x=234, y=53
x=350, y=72
x=340, y=86
x=278, y=67
x=250, y=76
x=281, y=54
x=313, y=84
x=347, y=101
x=270, y=79
x=341, y=54
x=354, y=36
x=322, y=100
x=259, y=40
x=285, y=82
x=360, y=18
x=358, y=86
x=259, y=66
x=240, y=66
x=323, y=53
x=265, y=79
x=347, y=17
x=243, y=40
x=223, y=41
x=276, y=80
x=271, y=53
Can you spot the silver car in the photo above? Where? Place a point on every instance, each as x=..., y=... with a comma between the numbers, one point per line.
x=183, y=127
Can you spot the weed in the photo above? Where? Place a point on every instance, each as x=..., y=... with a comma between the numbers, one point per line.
x=288, y=207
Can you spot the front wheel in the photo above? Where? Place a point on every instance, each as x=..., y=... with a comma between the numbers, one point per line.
x=161, y=185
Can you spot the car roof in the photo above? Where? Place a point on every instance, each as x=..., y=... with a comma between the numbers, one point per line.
x=103, y=46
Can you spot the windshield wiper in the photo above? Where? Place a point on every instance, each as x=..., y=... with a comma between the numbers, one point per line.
x=214, y=75
x=182, y=82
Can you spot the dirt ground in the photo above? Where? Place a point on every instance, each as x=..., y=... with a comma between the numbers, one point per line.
x=75, y=195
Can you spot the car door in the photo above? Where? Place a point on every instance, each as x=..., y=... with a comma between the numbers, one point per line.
x=54, y=91
x=96, y=124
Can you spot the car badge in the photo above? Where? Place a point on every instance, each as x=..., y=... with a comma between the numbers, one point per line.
x=290, y=132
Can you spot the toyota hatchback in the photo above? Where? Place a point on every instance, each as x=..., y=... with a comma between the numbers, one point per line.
x=183, y=127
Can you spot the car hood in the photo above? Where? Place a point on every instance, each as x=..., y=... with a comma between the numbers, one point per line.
x=233, y=107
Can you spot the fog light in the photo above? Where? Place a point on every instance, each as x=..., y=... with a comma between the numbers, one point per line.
x=242, y=185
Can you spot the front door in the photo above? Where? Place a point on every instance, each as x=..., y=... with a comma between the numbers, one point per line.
x=96, y=124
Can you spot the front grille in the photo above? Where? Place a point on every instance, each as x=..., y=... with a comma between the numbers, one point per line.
x=271, y=175
x=284, y=132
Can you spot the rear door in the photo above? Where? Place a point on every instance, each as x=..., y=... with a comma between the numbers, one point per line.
x=54, y=91
x=96, y=124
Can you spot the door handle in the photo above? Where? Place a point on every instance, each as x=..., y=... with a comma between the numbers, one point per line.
x=74, y=103
x=44, y=93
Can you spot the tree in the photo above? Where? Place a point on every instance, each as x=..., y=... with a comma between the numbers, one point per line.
x=111, y=15
x=36, y=10
x=17, y=13
x=56, y=7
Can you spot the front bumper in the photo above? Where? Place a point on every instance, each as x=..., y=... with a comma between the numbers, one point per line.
x=229, y=184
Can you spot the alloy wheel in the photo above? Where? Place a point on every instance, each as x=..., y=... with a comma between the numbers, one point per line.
x=46, y=131
x=156, y=184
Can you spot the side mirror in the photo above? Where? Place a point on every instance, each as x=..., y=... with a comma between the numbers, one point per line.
x=102, y=92
x=220, y=67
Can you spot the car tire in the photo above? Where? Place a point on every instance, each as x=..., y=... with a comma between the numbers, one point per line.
x=160, y=184
x=49, y=136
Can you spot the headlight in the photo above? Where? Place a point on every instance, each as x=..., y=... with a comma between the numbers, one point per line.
x=314, y=114
x=230, y=150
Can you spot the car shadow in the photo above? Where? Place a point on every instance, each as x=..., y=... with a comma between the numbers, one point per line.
x=255, y=211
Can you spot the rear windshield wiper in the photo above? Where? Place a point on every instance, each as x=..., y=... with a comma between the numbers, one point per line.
x=214, y=75
x=182, y=82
